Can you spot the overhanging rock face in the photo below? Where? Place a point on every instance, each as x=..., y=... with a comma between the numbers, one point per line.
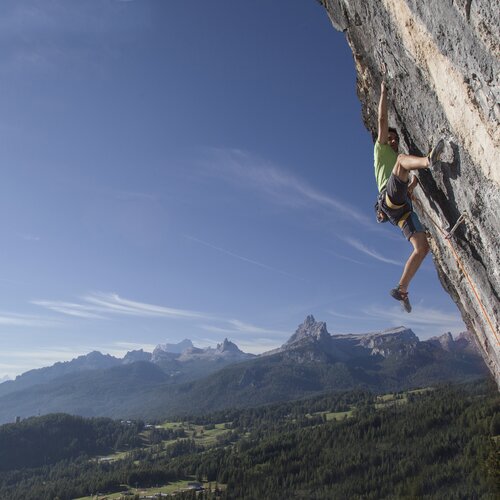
x=442, y=63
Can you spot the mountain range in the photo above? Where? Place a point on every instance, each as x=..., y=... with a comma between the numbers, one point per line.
x=180, y=362
x=182, y=379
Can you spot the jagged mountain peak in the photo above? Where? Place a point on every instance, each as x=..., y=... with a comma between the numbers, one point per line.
x=445, y=341
x=310, y=329
x=309, y=320
x=313, y=341
x=468, y=341
x=228, y=346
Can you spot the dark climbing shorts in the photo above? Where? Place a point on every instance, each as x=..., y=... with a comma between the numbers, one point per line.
x=397, y=191
x=411, y=226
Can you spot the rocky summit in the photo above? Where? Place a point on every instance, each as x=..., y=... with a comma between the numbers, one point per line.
x=312, y=341
x=309, y=330
x=229, y=347
x=440, y=61
x=395, y=341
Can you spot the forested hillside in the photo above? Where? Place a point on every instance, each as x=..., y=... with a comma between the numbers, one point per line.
x=438, y=443
x=46, y=440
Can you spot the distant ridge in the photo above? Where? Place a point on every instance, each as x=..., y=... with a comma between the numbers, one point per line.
x=200, y=380
x=181, y=361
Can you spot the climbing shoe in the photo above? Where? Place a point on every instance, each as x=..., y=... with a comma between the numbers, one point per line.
x=435, y=154
x=398, y=294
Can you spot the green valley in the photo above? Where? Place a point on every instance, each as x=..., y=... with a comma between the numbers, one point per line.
x=435, y=442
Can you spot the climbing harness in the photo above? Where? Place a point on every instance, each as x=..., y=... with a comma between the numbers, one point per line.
x=447, y=237
x=386, y=210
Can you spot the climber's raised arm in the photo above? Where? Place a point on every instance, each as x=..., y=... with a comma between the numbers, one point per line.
x=383, y=121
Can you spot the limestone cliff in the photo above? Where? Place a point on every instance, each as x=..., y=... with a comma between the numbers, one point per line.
x=442, y=64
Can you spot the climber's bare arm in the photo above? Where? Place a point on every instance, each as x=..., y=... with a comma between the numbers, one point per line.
x=383, y=121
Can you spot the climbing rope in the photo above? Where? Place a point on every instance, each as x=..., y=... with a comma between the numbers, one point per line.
x=461, y=266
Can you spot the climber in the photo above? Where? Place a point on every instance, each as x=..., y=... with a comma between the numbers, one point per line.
x=392, y=173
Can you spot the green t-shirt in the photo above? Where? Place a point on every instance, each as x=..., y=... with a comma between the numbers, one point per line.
x=384, y=159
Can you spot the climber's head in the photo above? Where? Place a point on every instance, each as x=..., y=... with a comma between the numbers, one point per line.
x=393, y=139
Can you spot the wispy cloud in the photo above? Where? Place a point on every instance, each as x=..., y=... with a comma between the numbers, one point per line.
x=112, y=302
x=99, y=305
x=12, y=319
x=44, y=36
x=70, y=309
x=277, y=184
x=368, y=251
x=349, y=259
x=48, y=354
x=241, y=257
x=131, y=346
x=17, y=361
x=29, y=237
x=236, y=327
x=255, y=345
x=336, y=314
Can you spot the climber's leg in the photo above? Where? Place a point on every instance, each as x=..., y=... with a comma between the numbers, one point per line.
x=420, y=250
x=405, y=163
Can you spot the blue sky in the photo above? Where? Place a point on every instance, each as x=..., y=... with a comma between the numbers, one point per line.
x=187, y=169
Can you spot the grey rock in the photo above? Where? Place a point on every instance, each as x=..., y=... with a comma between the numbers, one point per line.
x=138, y=355
x=160, y=355
x=395, y=341
x=310, y=329
x=224, y=351
x=176, y=348
x=229, y=347
x=313, y=342
x=440, y=60
x=467, y=341
x=464, y=342
x=445, y=341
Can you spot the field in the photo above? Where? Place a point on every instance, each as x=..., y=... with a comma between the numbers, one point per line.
x=167, y=489
x=202, y=436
